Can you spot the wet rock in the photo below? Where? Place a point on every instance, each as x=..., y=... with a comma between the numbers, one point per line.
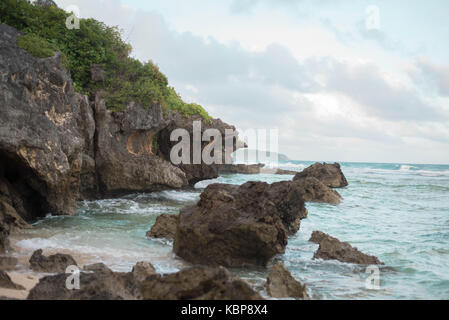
x=281, y=284
x=97, y=267
x=239, y=225
x=143, y=270
x=286, y=172
x=7, y=263
x=240, y=168
x=329, y=174
x=164, y=227
x=6, y=282
x=331, y=248
x=314, y=190
x=198, y=283
x=56, y=263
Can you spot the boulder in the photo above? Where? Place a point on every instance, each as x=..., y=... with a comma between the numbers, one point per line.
x=7, y=283
x=7, y=263
x=331, y=248
x=281, y=284
x=314, y=190
x=143, y=270
x=329, y=174
x=56, y=263
x=164, y=227
x=239, y=225
x=198, y=283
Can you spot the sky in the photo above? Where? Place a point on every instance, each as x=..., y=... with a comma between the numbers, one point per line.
x=341, y=80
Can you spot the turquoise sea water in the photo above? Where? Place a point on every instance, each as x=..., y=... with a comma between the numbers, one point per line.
x=398, y=212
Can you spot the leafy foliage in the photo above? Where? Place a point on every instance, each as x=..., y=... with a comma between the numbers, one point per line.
x=126, y=79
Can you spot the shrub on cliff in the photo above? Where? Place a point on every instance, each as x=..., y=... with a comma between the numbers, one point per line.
x=94, y=43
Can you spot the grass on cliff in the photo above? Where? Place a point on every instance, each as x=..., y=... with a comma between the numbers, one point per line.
x=126, y=79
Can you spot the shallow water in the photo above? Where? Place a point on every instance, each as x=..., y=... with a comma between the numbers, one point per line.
x=397, y=212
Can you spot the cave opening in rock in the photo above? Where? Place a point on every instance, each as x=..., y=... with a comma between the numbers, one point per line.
x=21, y=187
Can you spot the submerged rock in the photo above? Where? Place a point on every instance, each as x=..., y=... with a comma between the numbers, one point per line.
x=329, y=174
x=331, y=248
x=164, y=227
x=314, y=190
x=52, y=264
x=239, y=225
x=198, y=283
x=6, y=282
x=281, y=284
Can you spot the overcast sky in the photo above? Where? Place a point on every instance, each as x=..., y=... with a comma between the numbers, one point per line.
x=337, y=82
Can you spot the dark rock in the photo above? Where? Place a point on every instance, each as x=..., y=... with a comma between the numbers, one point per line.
x=240, y=168
x=7, y=263
x=286, y=172
x=6, y=282
x=56, y=263
x=97, y=267
x=96, y=73
x=314, y=190
x=333, y=249
x=197, y=284
x=329, y=174
x=164, y=227
x=281, y=284
x=239, y=225
x=143, y=270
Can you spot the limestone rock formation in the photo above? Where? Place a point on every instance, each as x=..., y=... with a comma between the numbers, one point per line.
x=314, y=190
x=56, y=263
x=329, y=174
x=6, y=282
x=198, y=283
x=239, y=225
x=164, y=227
x=281, y=284
x=240, y=168
x=331, y=248
x=143, y=270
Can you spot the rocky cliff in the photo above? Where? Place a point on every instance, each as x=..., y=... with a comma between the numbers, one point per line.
x=58, y=146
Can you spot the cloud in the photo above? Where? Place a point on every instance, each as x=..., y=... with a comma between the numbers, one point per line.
x=428, y=73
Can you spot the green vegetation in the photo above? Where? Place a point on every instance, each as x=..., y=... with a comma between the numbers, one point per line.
x=126, y=79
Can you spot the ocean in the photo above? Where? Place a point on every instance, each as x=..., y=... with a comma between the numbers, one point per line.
x=397, y=212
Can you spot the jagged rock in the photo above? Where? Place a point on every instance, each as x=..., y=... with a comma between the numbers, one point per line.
x=41, y=131
x=7, y=263
x=329, y=174
x=239, y=225
x=286, y=172
x=97, y=267
x=281, y=284
x=197, y=283
x=143, y=270
x=240, y=168
x=52, y=264
x=164, y=227
x=196, y=172
x=125, y=159
x=314, y=190
x=6, y=282
x=331, y=248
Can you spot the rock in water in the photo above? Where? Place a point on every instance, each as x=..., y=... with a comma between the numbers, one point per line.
x=6, y=282
x=56, y=263
x=329, y=174
x=164, y=227
x=239, y=225
x=314, y=190
x=240, y=168
x=198, y=284
x=281, y=284
x=143, y=270
x=333, y=249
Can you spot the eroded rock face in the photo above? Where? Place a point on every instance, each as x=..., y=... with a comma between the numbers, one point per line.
x=198, y=284
x=6, y=282
x=42, y=131
x=143, y=270
x=125, y=159
x=329, y=174
x=281, y=284
x=239, y=225
x=56, y=263
x=333, y=249
x=314, y=190
x=164, y=227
